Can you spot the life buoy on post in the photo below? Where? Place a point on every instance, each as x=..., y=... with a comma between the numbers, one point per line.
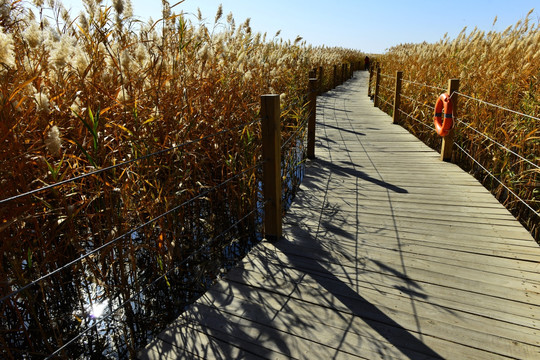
x=443, y=107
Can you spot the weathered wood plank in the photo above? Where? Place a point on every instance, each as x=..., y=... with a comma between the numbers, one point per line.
x=439, y=322
x=389, y=280
x=300, y=313
x=429, y=267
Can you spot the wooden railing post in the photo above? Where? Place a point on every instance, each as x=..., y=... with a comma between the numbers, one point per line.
x=321, y=81
x=448, y=140
x=271, y=149
x=335, y=76
x=369, y=83
x=312, y=108
x=377, y=81
x=397, y=97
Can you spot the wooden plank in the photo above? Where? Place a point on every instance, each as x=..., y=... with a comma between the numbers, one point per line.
x=305, y=340
x=384, y=276
x=414, y=200
x=434, y=227
x=510, y=316
x=422, y=214
x=335, y=226
x=191, y=341
x=300, y=312
x=464, y=329
x=429, y=256
x=442, y=259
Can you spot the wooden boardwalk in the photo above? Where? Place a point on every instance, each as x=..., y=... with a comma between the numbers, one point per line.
x=387, y=253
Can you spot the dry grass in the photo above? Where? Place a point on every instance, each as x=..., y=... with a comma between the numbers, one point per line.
x=81, y=95
x=502, y=68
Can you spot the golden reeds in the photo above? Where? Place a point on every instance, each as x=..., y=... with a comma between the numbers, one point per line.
x=500, y=68
x=80, y=95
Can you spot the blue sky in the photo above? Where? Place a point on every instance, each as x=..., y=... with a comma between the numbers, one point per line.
x=371, y=26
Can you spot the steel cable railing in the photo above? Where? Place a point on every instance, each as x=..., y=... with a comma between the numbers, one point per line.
x=498, y=106
x=157, y=153
x=424, y=85
x=505, y=148
x=293, y=155
x=300, y=128
x=129, y=233
x=415, y=119
x=385, y=88
x=469, y=126
x=13, y=302
x=384, y=101
x=497, y=179
x=387, y=76
x=155, y=281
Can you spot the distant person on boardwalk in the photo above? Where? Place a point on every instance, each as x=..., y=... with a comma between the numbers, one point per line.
x=366, y=63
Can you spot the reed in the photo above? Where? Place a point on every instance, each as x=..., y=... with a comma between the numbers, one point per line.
x=80, y=95
x=498, y=67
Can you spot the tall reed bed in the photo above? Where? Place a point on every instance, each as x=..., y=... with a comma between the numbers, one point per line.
x=502, y=68
x=164, y=116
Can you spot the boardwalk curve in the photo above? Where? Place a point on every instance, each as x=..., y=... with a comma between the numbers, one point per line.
x=369, y=267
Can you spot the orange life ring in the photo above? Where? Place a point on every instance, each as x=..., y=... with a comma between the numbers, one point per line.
x=443, y=104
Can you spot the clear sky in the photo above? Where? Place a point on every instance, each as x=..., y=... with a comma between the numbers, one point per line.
x=370, y=26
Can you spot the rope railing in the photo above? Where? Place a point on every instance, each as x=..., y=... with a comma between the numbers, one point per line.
x=154, y=282
x=128, y=234
x=115, y=166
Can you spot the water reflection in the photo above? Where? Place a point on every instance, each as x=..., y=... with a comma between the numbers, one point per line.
x=98, y=309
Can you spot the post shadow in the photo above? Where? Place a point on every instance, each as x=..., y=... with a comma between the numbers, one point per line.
x=383, y=324
x=342, y=129
x=342, y=170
